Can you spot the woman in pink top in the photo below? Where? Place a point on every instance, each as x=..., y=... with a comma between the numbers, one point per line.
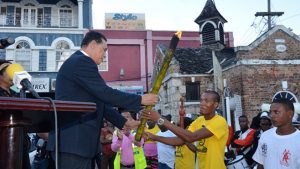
x=124, y=141
x=150, y=147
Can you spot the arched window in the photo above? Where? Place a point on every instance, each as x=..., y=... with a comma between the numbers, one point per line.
x=285, y=95
x=65, y=14
x=63, y=52
x=208, y=33
x=23, y=55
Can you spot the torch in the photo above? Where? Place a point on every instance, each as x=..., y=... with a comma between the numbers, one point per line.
x=156, y=86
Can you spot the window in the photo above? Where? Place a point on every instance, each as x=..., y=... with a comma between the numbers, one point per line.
x=166, y=93
x=23, y=55
x=104, y=65
x=2, y=54
x=3, y=11
x=40, y=17
x=192, y=91
x=208, y=33
x=29, y=15
x=2, y=15
x=18, y=16
x=62, y=53
x=65, y=14
x=285, y=95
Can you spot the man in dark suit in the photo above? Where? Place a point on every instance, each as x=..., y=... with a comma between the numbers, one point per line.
x=79, y=80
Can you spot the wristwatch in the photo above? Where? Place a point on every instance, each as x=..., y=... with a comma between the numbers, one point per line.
x=160, y=121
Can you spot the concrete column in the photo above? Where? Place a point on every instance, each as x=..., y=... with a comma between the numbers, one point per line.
x=80, y=14
x=217, y=34
x=201, y=39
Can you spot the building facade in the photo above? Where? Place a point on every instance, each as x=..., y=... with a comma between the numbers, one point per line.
x=262, y=68
x=46, y=33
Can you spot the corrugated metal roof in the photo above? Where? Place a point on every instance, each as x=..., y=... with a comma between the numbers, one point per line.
x=199, y=60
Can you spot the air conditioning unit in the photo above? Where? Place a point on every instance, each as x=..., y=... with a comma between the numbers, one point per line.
x=53, y=84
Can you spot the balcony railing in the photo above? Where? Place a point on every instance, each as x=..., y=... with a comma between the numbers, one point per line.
x=38, y=22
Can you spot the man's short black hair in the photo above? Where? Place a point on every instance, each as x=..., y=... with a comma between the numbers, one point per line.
x=243, y=116
x=92, y=35
x=217, y=96
x=288, y=105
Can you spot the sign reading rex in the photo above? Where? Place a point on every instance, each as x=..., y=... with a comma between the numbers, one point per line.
x=40, y=84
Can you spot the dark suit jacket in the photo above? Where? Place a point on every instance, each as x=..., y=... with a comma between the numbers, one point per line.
x=79, y=80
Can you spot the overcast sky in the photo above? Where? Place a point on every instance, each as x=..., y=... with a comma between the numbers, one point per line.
x=180, y=15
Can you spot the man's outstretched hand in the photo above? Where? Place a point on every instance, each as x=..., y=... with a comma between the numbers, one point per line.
x=149, y=99
x=131, y=124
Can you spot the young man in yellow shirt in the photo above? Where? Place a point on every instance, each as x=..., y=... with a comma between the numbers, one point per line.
x=209, y=131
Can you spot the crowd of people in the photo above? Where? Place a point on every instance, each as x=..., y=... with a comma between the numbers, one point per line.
x=206, y=142
x=190, y=146
x=167, y=146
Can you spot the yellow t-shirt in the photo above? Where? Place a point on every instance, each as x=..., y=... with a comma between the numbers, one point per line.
x=185, y=158
x=211, y=150
x=154, y=130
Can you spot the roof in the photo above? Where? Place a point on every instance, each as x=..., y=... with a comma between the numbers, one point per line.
x=267, y=34
x=199, y=60
x=209, y=12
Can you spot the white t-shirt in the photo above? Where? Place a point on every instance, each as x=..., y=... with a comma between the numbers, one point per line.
x=166, y=153
x=278, y=152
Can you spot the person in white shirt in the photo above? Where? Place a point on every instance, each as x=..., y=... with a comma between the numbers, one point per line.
x=278, y=148
x=165, y=153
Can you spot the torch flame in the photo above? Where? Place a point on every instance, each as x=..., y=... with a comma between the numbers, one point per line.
x=178, y=34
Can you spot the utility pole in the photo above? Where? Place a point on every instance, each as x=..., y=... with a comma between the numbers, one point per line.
x=269, y=14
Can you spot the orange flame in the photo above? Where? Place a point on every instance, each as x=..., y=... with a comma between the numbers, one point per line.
x=178, y=34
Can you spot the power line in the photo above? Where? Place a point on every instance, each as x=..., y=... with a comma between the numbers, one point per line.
x=249, y=28
x=289, y=17
x=262, y=29
x=247, y=35
x=256, y=29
